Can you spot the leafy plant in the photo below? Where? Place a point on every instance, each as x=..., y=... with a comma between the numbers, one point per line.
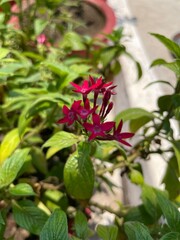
x=55, y=144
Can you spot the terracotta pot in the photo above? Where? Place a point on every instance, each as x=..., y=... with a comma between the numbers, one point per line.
x=108, y=13
x=101, y=5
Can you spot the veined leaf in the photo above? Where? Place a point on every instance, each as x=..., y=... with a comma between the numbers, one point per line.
x=61, y=140
x=11, y=167
x=107, y=232
x=28, y=216
x=56, y=227
x=171, y=236
x=170, y=212
x=22, y=189
x=150, y=202
x=137, y=231
x=79, y=173
x=9, y=144
x=81, y=226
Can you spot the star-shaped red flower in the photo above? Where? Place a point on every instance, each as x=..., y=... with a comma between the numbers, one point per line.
x=85, y=111
x=70, y=114
x=120, y=136
x=97, y=128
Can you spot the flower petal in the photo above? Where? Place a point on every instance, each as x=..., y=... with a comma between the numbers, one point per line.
x=107, y=126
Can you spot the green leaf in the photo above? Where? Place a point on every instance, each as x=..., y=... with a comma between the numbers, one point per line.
x=81, y=226
x=170, y=212
x=169, y=44
x=11, y=167
x=22, y=189
x=4, y=52
x=174, y=66
x=160, y=81
x=79, y=173
x=176, y=147
x=73, y=41
x=23, y=122
x=177, y=113
x=140, y=214
x=108, y=54
x=9, y=143
x=139, y=69
x=61, y=140
x=38, y=159
x=136, y=177
x=133, y=113
x=158, y=62
x=10, y=69
x=55, y=199
x=115, y=67
x=105, y=148
x=136, y=124
x=137, y=231
x=171, y=236
x=28, y=216
x=150, y=202
x=3, y=218
x=39, y=105
x=165, y=102
x=39, y=26
x=4, y=1
x=171, y=181
x=107, y=232
x=56, y=227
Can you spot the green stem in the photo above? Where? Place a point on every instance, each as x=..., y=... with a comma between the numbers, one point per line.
x=106, y=208
x=121, y=164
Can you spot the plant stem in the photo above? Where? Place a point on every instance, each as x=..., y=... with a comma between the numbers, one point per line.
x=106, y=208
x=121, y=164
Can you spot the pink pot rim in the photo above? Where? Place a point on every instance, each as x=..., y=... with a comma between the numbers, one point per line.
x=109, y=15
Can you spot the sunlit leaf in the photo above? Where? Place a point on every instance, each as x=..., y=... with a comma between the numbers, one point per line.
x=79, y=173
x=11, y=167
x=9, y=144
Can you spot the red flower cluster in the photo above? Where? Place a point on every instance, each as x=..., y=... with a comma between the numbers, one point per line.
x=92, y=119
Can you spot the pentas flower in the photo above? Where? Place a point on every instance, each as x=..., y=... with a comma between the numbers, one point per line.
x=70, y=114
x=92, y=119
x=85, y=111
x=97, y=128
x=120, y=136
